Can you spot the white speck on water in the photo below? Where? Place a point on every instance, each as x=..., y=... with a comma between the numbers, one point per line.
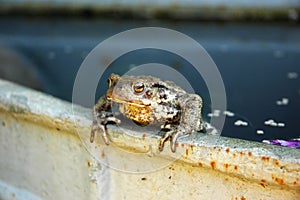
x=259, y=132
x=240, y=123
x=282, y=102
x=271, y=122
x=210, y=115
x=285, y=101
x=266, y=141
x=51, y=55
x=228, y=113
x=292, y=75
x=215, y=113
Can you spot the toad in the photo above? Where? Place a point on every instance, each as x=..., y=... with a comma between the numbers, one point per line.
x=149, y=100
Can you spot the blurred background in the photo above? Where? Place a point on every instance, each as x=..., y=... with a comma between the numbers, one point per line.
x=254, y=43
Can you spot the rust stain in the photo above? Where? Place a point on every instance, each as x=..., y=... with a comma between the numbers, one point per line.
x=182, y=145
x=235, y=167
x=102, y=154
x=143, y=136
x=250, y=153
x=263, y=180
x=192, y=147
x=144, y=179
x=295, y=183
x=243, y=198
x=200, y=164
x=279, y=180
x=89, y=164
x=276, y=162
x=226, y=165
x=262, y=185
x=264, y=158
x=186, y=152
x=213, y=164
x=227, y=150
x=242, y=153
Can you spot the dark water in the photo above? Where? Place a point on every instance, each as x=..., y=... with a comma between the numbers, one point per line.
x=259, y=64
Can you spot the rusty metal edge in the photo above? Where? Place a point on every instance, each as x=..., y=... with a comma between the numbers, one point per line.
x=262, y=163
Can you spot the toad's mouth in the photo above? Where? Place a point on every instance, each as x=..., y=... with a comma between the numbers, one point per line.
x=137, y=103
x=114, y=97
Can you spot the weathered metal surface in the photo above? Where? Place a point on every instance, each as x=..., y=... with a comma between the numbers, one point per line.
x=41, y=153
x=39, y=160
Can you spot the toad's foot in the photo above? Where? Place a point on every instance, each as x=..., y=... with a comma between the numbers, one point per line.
x=99, y=124
x=171, y=135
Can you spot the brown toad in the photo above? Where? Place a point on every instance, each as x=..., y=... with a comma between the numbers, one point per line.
x=149, y=100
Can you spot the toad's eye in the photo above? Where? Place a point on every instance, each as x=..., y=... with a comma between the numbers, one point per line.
x=138, y=87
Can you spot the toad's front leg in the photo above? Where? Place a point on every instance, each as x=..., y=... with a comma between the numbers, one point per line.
x=99, y=124
x=101, y=118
